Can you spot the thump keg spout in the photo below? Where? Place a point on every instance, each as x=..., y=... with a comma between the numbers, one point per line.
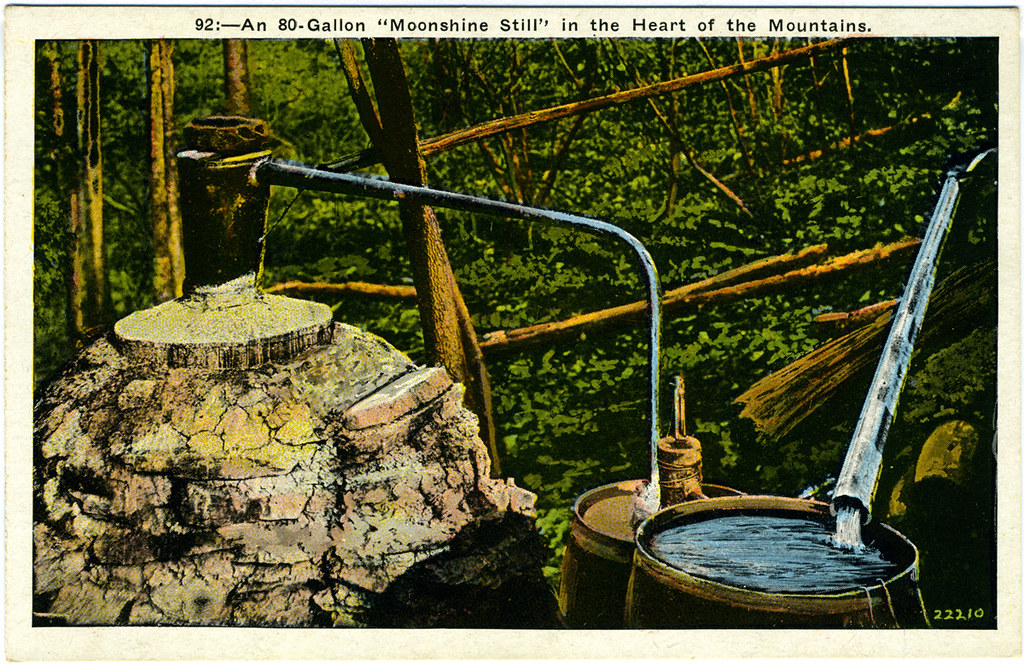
x=289, y=173
x=858, y=479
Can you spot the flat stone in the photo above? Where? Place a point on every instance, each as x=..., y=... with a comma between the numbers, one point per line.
x=276, y=542
x=403, y=395
x=232, y=326
x=354, y=365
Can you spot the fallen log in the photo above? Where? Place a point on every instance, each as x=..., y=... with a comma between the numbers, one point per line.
x=714, y=290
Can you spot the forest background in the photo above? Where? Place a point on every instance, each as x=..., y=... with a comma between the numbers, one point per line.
x=776, y=203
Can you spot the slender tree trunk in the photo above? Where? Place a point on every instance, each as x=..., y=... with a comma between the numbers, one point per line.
x=90, y=200
x=752, y=100
x=819, y=98
x=849, y=95
x=737, y=126
x=168, y=263
x=163, y=278
x=62, y=157
x=236, y=77
x=171, y=161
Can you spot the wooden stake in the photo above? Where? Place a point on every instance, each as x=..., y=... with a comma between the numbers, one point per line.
x=680, y=407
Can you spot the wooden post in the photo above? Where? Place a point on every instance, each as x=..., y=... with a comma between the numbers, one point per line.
x=171, y=161
x=448, y=334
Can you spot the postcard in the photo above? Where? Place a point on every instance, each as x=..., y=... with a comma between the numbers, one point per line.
x=378, y=332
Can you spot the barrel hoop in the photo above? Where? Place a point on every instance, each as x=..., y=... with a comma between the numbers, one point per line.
x=888, y=600
x=600, y=545
x=817, y=604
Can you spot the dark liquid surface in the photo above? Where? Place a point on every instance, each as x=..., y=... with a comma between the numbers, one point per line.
x=610, y=516
x=770, y=553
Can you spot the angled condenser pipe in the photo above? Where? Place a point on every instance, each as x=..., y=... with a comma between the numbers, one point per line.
x=851, y=499
x=289, y=173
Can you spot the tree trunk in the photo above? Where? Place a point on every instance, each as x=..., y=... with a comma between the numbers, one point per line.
x=429, y=259
x=163, y=273
x=448, y=334
x=168, y=259
x=95, y=300
x=236, y=77
x=62, y=157
x=171, y=161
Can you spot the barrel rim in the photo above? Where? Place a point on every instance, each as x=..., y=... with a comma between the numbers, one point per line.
x=594, y=540
x=587, y=499
x=816, y=603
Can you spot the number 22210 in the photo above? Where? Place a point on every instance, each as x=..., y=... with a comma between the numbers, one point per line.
x=958, y=614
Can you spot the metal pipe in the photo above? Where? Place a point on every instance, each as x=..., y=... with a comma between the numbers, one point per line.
x=859, y=476
x=295, y=174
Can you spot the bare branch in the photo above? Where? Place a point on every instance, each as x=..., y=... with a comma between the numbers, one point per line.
x=314, y=289
x=494, y=127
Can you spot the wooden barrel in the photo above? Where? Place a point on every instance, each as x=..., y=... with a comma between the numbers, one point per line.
x=661, y=595
x=599, y=554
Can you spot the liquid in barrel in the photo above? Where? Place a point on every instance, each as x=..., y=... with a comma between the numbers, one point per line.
x=770, y=553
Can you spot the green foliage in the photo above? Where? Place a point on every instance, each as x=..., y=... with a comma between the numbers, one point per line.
x=573, y=416
x=955, y=381
x=49, y=285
